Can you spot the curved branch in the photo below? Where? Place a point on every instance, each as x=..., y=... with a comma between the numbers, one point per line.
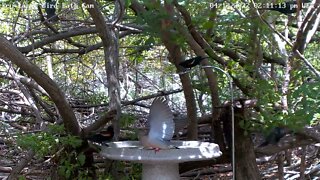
x=8, y=51
x=72, y=32
x=307, y=28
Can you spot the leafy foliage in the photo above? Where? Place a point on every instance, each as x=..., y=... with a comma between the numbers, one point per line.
x=68, y=167
x=46, y=143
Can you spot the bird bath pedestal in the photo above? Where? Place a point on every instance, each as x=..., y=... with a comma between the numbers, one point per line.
x=162, y=164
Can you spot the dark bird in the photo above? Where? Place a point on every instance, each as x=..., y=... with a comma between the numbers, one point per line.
x=102, y=136
x=50, y=8
x=189, y=63
x=285, y=7
x=274, y=136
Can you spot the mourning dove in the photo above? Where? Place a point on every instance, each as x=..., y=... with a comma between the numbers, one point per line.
x=161, y=125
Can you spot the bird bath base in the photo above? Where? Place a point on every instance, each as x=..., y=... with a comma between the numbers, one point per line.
x=162, y=164
x=160, y=171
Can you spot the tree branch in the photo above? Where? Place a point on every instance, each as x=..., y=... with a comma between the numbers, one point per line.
x=11, y=53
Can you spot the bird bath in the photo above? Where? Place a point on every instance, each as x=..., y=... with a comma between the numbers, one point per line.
x=162, y=164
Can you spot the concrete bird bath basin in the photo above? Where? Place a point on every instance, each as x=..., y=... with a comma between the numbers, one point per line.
x=163, y=164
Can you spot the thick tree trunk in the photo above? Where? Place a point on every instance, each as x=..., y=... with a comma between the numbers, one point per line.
x=246, y=166
x=198, y=44
x=112, y=69
x=109, y=39
x=176, y=58
x=110, y=45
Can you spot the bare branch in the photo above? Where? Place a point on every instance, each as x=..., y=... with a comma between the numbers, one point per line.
x=11, y=53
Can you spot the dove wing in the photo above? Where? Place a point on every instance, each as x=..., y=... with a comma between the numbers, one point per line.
x=161, y=121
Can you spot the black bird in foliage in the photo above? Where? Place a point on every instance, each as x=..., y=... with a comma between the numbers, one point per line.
x=274, y=136
x=50, y=8
x=189, y=63
x=285, y=7
x=102, y=136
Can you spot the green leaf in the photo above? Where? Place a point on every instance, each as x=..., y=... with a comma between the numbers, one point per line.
x=81, y=159
x=208, y=25
x=127, y=3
